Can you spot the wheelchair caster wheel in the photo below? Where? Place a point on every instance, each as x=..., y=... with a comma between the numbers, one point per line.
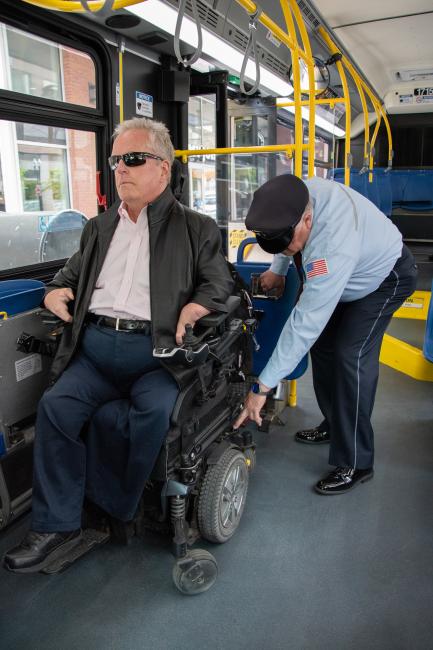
x=195, y=573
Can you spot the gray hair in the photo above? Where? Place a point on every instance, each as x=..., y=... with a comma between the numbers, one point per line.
x=308, y=208
x=157, y=131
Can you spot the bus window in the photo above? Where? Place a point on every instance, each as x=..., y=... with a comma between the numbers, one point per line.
x=35, y=66
x=48, y=178
x=249, y=171
x=202, y=169
x=321, y=157
x=285, y=135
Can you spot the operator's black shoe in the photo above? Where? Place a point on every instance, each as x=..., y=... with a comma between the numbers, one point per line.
x=314, y=436
x=38, y=550
x=343, y=479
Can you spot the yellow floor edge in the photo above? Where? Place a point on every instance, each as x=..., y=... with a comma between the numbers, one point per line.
x=405, y=358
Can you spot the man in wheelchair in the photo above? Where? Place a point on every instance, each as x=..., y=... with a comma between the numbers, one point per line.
x=146, y=269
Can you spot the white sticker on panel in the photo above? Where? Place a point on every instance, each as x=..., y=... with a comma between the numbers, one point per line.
x=27, y=367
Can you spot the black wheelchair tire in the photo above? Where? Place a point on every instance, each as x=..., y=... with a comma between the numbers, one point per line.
x=220, y=511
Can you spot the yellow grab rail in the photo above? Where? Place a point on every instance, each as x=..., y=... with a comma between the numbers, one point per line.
x=347, y=143
x=377, y=104
x=271, y=148
x=372, y=145
x=305, y=102
x=299, y=136
x=311, y=82
x=121, y=49
x=71, y=6
x=251, y=8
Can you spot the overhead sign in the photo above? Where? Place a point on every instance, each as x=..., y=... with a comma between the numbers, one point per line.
x=423, y=95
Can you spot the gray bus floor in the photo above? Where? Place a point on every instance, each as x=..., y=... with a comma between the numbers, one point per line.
x=303, y=571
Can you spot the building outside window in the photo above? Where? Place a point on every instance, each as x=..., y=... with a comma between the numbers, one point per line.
x=45, y=170
x=321, y=157
x=202, y=169
x=41, y=68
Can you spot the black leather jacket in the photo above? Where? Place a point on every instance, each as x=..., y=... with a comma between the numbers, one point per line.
x=186, y=265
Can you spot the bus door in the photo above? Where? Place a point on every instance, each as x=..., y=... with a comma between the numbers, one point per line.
x=208, y=129
x=252, y=123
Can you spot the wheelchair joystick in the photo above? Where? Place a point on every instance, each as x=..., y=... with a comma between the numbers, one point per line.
x=190, y=354
x=189, y=340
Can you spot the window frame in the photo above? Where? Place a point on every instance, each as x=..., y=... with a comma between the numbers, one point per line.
x=20, y=107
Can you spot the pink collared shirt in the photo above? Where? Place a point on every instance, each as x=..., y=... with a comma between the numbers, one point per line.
x=122, y=289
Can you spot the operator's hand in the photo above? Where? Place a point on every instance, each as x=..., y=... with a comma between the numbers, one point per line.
x=189, y=315
x=57, y=302
x=251, y=411
x=270, y=280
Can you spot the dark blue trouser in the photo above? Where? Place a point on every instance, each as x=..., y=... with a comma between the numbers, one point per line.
x=345, y=362
x=109, y=366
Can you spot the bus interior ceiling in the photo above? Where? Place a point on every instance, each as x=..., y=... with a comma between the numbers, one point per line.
x=290, y=576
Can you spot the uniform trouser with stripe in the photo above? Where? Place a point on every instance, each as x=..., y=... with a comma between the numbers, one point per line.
x=345, y=363
x=109, y=366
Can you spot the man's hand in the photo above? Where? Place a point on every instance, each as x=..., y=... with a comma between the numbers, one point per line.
x=270, y=280
x=251, y=411
x=189, y=315
x=57, y=302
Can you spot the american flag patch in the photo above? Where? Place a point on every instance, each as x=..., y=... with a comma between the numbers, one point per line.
x=318, y=267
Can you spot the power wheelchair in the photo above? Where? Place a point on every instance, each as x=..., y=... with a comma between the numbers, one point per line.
x=199, y=483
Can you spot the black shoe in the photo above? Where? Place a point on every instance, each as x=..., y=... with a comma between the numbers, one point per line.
x=312, y=436
x=38, y=550
x=343, y=479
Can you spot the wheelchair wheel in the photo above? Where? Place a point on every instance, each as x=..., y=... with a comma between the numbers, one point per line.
x=196, y=572
x=222, y=496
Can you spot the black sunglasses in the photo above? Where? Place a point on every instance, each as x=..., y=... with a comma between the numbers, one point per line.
x=132, y=159
x=275, y=242
x=286, y=233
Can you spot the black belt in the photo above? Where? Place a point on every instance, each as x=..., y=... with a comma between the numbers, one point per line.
x=121, y=324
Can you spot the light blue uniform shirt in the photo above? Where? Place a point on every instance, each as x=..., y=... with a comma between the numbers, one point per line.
x=351, y=249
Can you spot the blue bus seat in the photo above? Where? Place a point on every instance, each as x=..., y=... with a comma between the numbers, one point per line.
x=17, y=296
x=358, y=182
x=373, y=192
x=412, y=189
x=428, y=336
x=276, y=312
x=383, y=182
x=378, y=191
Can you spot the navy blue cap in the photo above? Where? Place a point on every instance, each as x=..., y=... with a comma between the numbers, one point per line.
x=277, y=205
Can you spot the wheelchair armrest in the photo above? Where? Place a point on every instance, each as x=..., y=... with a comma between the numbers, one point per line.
x=216, y=318
x=49, y=318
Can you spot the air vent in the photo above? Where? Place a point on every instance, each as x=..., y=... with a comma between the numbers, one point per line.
x=239, y=39
x=207, y=16
x=214, y=21
x=309, y=16
x=272, y=63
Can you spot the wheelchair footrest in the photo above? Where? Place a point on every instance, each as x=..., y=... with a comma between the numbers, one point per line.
x=89, y=540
